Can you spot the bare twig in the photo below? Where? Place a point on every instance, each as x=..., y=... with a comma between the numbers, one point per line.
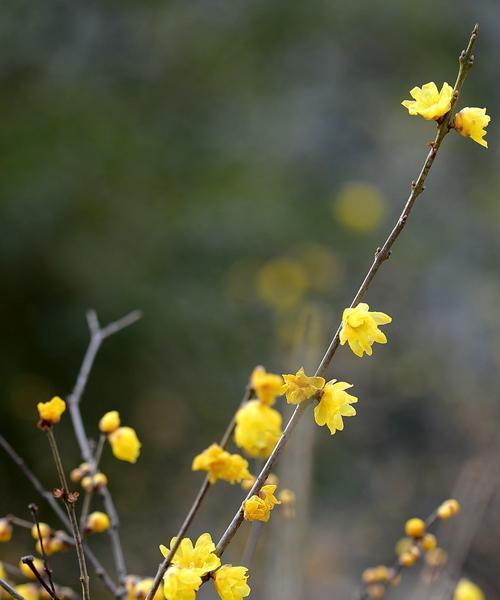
x=162, y=569
x=29, y=561
x=10, y=590
x=97, y=335
x=69, y=501
x=48, y=496
x=34, y=512
x=381, y=256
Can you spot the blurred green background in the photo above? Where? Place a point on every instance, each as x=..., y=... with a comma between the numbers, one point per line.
x=229, y=168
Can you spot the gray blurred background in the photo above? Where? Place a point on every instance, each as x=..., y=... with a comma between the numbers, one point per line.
x=229, y=168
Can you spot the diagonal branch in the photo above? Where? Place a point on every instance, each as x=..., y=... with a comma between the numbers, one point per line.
x=381, y=255
x=10, y=590
x=162, y=569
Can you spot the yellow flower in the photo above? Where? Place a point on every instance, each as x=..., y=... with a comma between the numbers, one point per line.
x=29, y=591
x=449, y=508
x=51, y=411
x=231, y=582
x=258, y=428
x=45, y=531
x=360, y=328
x=258, y=508
x=334, y=404
x=125, y=444
x=266, y=385
x=142, y=588
x=471, y=122
x=3, y=574
x=27, y=572
x=97, y=522
x=300, y=387
x=181, y=584
x=221, y=465
x=201, y=557
x=110, y=422
x=5, y=530
x=466, y=590
x=428, y=102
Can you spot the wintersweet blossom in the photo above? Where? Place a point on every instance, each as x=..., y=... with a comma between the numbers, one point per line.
x=50, y=412
x=258, y=428
x=360, y=328
x=301, y=387
x=267, y=386
x=27, y=572
x=181, y=584
x=221, y=465
x=259, y=507
x=6, y=530
x=471, y=122
x=334, y=404
x=97, y=522
x=466, y=590
x=231, y=582
x=110, y=421
x=429, y=102
x=200, y=557
x=125, y=444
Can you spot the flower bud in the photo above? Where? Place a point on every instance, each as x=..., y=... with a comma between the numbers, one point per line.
x=45, y=530
x=110, y=422
x=50, y=412
x=415, y=528
x=97, y=522
x=448, y=509
x=27, y=572
x=5, y=530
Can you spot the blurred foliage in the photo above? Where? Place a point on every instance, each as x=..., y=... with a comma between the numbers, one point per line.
x=224, y=167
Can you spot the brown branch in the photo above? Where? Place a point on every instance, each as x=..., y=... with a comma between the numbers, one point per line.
x=34, y=513
x=162, y=569
x=69, y=501
x=381, y=255
x=48, y=496
x=97, y=335
x=29, y=561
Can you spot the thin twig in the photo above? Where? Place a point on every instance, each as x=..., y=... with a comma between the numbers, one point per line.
x=48, y=496
x=87, y=499
x=381, y=255
x=97, y=335
x=69, y=502
x=162, y=569
x=34, y=512
x=28, y=560
x=10, y=590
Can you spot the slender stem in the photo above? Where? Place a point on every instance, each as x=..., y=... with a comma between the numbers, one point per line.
x=87, y=500
x=10, y=590
x=100, y=571
x=34, y=512
x=381, y=255
x=28, y=560
x=70, y=507
x=97, y=335
x=162, y=569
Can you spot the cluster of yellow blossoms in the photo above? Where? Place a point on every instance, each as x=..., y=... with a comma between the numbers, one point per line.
x=409, y=550
x=53, y=541
x=433, y=104
x=125, y=444
x=191, y=564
